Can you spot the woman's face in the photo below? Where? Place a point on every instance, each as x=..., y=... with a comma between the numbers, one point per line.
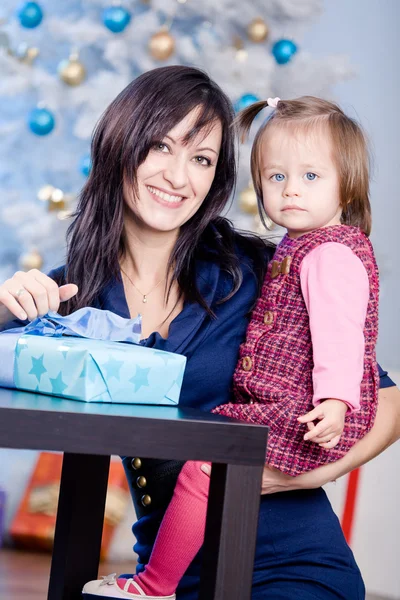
x=175, y=178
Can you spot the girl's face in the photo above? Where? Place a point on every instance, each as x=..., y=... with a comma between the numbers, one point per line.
x=175, y=178
x=300, y=182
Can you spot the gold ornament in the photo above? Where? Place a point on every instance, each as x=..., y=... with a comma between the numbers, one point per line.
x=29, y=56
x=257, y=30
x=161, y=45
x=72, y=71
x=248, y=200
x=45, y=192
x=31, y=260
x=241, y=52
x=54, y=197
x=238, y=42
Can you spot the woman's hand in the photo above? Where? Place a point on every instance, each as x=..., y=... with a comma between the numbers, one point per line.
x=274, y=481
x=32, y=294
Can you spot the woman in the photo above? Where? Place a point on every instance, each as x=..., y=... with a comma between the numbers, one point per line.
x=148, y=238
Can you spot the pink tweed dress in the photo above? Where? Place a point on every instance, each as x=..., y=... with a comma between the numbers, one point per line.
x=273, y=377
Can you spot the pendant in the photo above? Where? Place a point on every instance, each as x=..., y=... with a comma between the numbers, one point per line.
x=144, y=299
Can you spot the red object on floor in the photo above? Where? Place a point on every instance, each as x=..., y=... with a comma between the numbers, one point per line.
x=350, y=504
x=33, y=525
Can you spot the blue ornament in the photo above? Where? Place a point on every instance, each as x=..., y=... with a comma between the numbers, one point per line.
x=85, y=165
x=283, y=50
x=116, y=18
x=245, y=101
x=30, y=14
x=41, y=121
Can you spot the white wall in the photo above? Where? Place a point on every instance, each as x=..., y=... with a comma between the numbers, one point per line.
x=368, y=31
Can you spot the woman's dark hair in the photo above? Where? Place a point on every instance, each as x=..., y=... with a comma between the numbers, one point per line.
x=142, y=114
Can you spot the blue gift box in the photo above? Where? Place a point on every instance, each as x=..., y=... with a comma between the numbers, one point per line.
x=46, y=360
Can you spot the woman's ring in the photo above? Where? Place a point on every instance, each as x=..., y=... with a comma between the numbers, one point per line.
x=20, y=292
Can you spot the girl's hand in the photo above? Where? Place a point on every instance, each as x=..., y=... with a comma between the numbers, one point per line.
x=330, y=414
x=32, y=294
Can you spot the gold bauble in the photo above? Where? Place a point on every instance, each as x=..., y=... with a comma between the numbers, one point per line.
x=45, y=192
x=161, y=45
x=56, y=201
x=72, y=71
x=238, y=42
x=30, y=55
x=257, y=30
x=31, y=260
x=248, y=200
x=54, y=197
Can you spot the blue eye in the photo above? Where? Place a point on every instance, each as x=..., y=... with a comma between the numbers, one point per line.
x=311, y=176
x=278, y=177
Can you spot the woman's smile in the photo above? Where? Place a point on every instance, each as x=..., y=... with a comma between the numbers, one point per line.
x=165, y=198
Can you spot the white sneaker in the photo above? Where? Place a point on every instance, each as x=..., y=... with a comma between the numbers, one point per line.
x=107, y=588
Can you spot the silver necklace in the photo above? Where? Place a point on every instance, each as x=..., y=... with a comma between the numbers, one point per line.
x=144, y=296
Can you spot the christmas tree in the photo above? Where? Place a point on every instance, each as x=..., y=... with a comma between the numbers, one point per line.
x=63, y=63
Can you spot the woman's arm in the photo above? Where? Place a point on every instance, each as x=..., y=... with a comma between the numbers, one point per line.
x=386, y=431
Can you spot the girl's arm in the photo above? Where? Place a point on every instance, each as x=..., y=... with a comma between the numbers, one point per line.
x=386, y=431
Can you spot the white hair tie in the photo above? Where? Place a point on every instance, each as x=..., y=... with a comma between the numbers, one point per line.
x=273, y=102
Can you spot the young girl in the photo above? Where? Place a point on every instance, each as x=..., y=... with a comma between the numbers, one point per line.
x=307, y=368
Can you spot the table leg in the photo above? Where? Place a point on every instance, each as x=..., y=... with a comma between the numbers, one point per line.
x=231, y=530
x=79, y=526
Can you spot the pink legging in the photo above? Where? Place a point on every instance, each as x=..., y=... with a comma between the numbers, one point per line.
x=181, y=533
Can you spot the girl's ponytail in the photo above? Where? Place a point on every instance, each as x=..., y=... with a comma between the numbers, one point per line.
x=246, y=117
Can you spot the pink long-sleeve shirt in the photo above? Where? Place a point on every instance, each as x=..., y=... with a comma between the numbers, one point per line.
x=335, y=287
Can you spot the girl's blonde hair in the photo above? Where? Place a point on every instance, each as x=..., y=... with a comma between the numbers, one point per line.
x=349, y=144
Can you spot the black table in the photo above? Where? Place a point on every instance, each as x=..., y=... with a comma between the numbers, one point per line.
x=88, y=433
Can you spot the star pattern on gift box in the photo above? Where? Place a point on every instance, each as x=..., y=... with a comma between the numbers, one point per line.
x=140, y=379
x=57, y=385
x=113, y=367
x=38, y=367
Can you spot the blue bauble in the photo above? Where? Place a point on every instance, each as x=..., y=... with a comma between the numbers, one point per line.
x=30, y=14
x=41, y=121
x=283, y=50
x=245, y=101
x=116, y=18
x=85, y=165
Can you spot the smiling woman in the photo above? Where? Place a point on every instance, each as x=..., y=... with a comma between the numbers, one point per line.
x=162, y=171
